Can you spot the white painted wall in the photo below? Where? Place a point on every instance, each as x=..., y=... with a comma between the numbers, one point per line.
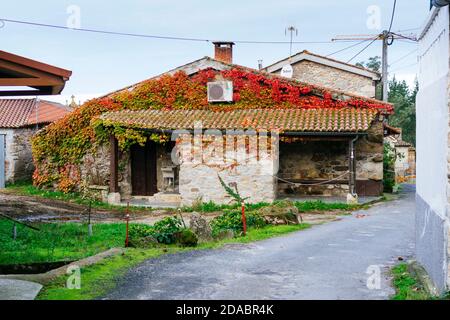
x=432, y=114
x=432, y=109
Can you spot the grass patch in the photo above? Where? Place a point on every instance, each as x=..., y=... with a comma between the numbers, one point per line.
x=305, y=206
x=99, y=279
x=406, y=285
x=57, y=241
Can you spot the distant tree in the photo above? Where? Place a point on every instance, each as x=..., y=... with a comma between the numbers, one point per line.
x=373, y=63
x=404, y=100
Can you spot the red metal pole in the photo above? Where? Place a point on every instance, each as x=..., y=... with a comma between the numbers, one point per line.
x=244, y=219
x=127, y=217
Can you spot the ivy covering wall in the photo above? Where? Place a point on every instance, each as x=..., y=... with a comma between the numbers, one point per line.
x=59, y=148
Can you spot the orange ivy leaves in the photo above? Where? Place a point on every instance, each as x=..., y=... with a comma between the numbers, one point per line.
x=65, y=142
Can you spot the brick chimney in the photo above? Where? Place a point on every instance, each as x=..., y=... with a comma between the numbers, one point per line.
x=223, y=51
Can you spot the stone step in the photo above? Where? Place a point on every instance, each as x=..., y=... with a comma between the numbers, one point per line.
x=166, y=197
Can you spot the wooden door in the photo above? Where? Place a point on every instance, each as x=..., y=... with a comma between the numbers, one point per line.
x=143, y=169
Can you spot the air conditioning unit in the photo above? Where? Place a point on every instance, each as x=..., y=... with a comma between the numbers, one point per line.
x=220, y=91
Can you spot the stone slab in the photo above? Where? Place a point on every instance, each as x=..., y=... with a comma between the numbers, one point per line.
x=11, y=289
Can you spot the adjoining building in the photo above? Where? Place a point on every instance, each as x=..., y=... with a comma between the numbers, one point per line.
x=433, y=147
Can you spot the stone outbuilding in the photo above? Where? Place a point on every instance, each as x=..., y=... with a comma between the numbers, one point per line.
x=20, y=119
x=331, y=73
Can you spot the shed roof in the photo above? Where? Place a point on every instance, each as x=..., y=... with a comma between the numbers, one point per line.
x=41, y=78
x=16, y=113
x=292, y=120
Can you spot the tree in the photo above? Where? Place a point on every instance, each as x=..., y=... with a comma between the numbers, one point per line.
x=373, y=63
x=404, y=100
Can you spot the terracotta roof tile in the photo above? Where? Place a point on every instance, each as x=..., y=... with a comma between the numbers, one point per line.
x=16, y=113
x=302, y=120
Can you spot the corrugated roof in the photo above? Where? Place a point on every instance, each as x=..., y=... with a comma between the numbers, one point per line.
x=302, y=120
x=16, y=113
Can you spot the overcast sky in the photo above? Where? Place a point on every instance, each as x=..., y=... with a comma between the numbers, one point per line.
x=104, y=63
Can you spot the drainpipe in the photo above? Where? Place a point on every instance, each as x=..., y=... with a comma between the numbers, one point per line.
x=440, y=3
x=352, y=166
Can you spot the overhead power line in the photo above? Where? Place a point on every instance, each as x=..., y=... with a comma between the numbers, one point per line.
x=346, y=48
x=393, y=15
x=162, y=37
x=363, y=49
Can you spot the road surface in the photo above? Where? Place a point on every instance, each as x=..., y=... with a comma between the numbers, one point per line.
x=328, y=261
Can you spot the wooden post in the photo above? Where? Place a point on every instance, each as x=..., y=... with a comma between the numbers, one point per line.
x=113, y=165
x=350, y=167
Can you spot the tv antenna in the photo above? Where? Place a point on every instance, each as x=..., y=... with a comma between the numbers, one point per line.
x=292, y=31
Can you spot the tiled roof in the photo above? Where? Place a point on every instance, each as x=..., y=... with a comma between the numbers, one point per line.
x=16, y=113
x=302, y=120
x=48, y=112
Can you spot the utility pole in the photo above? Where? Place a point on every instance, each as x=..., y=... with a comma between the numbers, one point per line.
x=384, y=62
x=387, y=38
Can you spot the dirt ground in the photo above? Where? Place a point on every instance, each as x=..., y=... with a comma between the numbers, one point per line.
x=37, y=209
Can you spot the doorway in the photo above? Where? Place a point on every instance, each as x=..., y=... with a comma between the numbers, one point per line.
x=143, y=169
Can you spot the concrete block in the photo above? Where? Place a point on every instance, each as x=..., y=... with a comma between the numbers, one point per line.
x=114, y=198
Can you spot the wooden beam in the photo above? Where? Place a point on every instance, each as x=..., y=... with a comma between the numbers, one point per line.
x=15, y=93
x=28, y=82
x=35, y=64
x=113, y=165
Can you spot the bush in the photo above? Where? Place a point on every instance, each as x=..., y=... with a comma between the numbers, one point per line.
x=186, y=238
x=232, y=220
x=388, y=168
x=166, y=229
x=138, y=231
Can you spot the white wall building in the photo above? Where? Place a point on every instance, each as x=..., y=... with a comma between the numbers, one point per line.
x=433, y=151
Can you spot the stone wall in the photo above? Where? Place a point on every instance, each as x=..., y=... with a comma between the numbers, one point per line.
x=326, y=76
x=250, y=170
x=95, y=168
x=369, y=154
x=18, y=161
x=311, y=161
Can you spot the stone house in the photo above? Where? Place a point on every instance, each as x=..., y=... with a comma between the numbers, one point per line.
x=307, y=149
x=433, y=147
x=313, y=68
x=20, y=119
x=405, y=161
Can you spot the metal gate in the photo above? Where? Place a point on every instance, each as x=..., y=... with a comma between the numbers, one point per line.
x=2, y=161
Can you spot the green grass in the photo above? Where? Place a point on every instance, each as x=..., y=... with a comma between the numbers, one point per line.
x=406, y=285
x=318, y=205
x=98, y=279
x=303, y=206
x=210, y=206
x=56, y=241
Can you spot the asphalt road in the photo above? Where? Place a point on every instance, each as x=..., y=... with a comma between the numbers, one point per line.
x=328, y=261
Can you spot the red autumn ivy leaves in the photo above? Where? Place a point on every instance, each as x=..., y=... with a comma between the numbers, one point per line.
x=59, y=148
